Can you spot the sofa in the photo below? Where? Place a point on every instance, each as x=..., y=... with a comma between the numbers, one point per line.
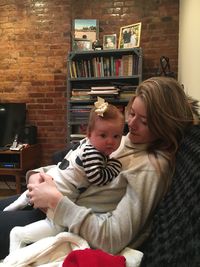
x=175, y=236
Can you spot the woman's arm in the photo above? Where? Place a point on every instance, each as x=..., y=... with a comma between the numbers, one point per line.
x=128, y=221
x=111, y=231
x=115, y=230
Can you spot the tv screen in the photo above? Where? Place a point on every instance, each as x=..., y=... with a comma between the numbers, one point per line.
x=12, y=122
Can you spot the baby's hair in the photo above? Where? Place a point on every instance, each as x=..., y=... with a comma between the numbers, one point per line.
x=111, y=113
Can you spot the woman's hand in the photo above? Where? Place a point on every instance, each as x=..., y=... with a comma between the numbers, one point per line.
x=44, y=195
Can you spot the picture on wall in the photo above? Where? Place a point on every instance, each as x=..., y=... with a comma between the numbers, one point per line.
x=86, y=29
x=110, y=41
x=129, y=36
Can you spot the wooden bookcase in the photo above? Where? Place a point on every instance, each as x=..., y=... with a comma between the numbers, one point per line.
x=119, y=68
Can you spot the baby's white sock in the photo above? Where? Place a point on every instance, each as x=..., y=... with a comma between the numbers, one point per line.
x=19, y=203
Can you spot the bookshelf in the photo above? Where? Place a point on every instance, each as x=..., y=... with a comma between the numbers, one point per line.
x=114, y=74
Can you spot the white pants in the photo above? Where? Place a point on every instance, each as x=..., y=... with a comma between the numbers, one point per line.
x=20, y=236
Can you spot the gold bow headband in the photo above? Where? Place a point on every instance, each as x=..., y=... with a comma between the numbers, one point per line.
x=101, y=106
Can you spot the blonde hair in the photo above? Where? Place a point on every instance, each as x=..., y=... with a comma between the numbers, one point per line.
x=169, y=112
x=111, y=113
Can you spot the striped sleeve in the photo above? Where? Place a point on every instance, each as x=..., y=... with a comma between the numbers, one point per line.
x=99, y=169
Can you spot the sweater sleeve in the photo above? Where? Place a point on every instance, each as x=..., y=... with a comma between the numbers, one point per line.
x=126, y=225
x=99, y=169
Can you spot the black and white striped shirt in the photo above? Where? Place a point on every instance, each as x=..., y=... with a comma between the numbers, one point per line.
x=99, y=168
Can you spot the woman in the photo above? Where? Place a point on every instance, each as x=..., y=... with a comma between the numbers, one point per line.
x=158, y=117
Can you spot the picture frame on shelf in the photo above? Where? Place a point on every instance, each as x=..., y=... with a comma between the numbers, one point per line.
x=110, y=41
x=81, y=44
x=86, y=29
x=129, y=36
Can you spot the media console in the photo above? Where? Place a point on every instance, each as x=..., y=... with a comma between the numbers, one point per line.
x=16, y=163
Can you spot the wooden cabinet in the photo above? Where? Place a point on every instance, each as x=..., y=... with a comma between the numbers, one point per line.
x=119, y=69
x=16, y=163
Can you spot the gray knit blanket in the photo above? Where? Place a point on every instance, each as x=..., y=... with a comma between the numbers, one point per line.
x=175, y=237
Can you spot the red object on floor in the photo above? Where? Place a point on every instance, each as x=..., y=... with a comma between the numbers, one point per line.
x=93, y=258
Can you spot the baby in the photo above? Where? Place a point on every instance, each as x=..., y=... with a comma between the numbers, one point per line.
x=87, y=163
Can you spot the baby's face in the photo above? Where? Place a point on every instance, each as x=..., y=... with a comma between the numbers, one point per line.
x=106, y=136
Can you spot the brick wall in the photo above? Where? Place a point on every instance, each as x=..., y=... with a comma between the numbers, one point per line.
x=35, y=37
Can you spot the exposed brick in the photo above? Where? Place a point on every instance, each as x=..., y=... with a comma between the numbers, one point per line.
x=35, y=41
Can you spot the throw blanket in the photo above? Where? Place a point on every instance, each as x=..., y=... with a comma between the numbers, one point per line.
x=175, y=237
x=52, y=252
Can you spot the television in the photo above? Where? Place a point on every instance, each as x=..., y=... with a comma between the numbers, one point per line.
x=12, y=122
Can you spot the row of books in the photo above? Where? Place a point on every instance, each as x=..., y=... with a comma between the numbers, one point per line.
x=80, y=114
x=126, y=65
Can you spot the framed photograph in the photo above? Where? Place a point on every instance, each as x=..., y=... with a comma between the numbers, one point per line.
x=110, y=41
x=130, y=36
x=86, y=29
x=81, y=44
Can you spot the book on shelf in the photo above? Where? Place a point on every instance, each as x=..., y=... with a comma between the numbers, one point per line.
x=77, y=136
x=80, y=97
x=78, y=94
x=135, y=64
x=103, y=87
x=128, y=88
x=81, y=107
x=127, y=91
x=72, y=69
x=80, y=112
x=80, y=91
x=127, y=65
x=126, y=95
x=104, y=90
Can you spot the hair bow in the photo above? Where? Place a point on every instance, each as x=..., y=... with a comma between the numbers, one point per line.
x=100, y=106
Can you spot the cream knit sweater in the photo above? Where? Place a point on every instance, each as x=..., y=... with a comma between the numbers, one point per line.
x=119, y=214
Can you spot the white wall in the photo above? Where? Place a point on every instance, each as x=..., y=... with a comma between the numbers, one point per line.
x=189, y=47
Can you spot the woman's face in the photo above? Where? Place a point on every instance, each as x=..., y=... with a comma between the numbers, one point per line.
x=137, y=123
